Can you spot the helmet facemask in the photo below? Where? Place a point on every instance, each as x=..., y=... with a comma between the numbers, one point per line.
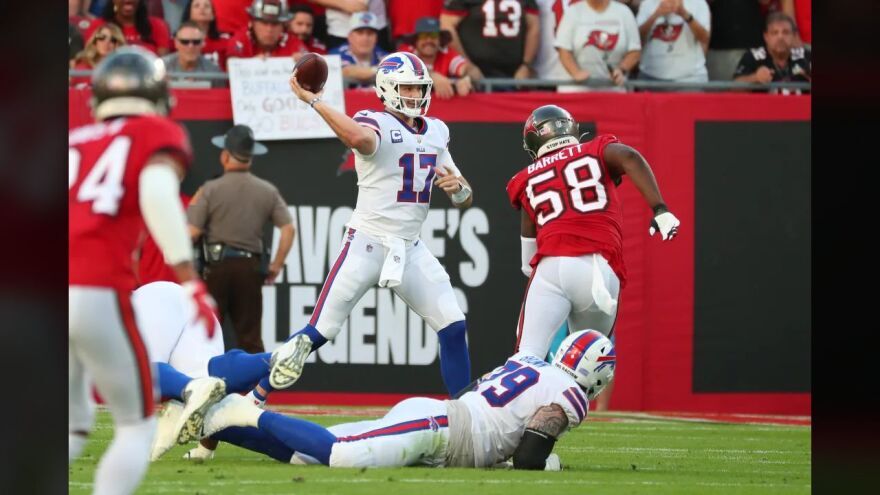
x=414, y=106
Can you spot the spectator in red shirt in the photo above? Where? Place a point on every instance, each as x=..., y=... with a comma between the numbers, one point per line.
x=302, y=25
x=431, y=44
x=403, y=15
x=265, y=35
x=138, y=27
x=77, y=15
x=202, y=13
x=231, y=15
x=104, y=41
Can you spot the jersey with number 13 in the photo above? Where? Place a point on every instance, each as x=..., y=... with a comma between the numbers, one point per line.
x=573, y=200
x=105, y=161
x=395, y=182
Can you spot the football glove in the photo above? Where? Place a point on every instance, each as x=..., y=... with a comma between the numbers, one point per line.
x=203, y=304
x=664, y=222
x=553, y=463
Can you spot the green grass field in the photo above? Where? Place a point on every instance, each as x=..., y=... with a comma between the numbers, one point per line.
x=608, y=454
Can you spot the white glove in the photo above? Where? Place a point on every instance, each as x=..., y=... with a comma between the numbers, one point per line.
x=199, y=453
x=666, y=224
x=553, y=463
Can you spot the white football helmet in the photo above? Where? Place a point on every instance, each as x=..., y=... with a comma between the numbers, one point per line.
x=403, y=68
x=589, y=357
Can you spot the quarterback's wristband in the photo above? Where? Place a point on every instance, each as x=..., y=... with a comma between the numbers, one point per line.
x=660, y=208
x=314, y=100
x=462, y=195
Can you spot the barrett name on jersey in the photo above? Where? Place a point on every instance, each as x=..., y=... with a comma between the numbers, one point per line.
x=395, y=182
x=573, y=200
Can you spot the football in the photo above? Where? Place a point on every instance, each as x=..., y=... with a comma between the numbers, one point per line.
x=311, y=72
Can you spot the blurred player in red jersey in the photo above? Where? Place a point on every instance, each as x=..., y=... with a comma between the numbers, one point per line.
x=124, y=173
x=572, y=245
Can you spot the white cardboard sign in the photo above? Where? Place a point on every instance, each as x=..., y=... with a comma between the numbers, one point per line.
x=262, y=99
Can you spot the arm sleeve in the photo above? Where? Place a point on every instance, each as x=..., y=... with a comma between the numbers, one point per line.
x=533, y=449
x=280, y=213
x=159, y=190
x=529, y=247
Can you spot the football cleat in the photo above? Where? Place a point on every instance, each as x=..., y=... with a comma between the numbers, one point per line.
x=233, y=410
x=166, y=434
x=199, y=395
x=287, y=361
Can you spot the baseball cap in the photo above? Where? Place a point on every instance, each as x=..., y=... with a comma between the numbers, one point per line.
x=240, y=142
x=361, y=20
x=428, y=25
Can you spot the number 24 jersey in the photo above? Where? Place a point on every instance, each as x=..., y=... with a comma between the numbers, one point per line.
x=105, y=161
x=573, y=200
x=506, y=399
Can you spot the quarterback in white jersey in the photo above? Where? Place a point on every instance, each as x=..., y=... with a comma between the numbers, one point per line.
x=400, y=155
x=517, y=411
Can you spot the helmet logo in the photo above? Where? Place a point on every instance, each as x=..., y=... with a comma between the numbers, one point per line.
x=609, y=360
x=390, y=65
x=417, y=66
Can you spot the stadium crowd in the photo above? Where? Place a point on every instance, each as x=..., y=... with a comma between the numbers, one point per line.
x=463, y=41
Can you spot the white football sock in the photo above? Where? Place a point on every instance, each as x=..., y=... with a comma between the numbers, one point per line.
x=251, y=396
x=124, y=464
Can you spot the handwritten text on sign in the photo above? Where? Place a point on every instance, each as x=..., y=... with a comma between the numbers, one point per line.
x=262, y=99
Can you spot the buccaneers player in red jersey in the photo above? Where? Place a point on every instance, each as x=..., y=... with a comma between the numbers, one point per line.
x=124, y=173
x=572, y=245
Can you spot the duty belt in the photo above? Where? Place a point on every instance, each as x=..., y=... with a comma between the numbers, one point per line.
x=218, y=252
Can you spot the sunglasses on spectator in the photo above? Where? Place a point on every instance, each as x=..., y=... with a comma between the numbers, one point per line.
x=195, y=42
x=103, y=37
x=432, y=36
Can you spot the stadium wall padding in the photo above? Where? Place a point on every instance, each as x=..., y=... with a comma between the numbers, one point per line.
x=716, y=321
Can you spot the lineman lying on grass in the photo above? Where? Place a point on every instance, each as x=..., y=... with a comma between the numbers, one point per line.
x=192, y=370
x=519, y=410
